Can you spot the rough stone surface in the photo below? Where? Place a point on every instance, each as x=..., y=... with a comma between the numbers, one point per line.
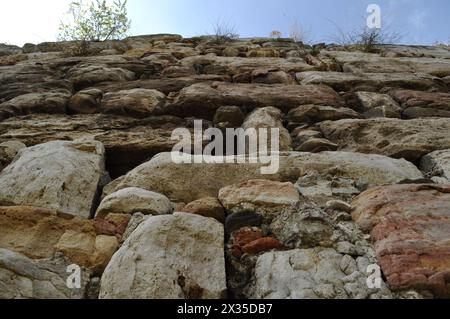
x=357, y=121
x=359, y=62
x=84, y=75
x=23, y=278
x=189, y=182
x=148, y=136
x=378, y=105
x=261, y=196
x=58, y=175
x=269, y=118
x=308, y=274
x=165, y=85
x=206, y=207
x=391, y=137
x=437, y=164
x=302, y=225
x=178, y=256
x=41, y=233
x=233, y=65
x=134, y=200
x=204, y=100
x=7, y=49
x=135, y=102
x=8, y=150
x=316, y=145
x=312, y=114
x=86, y=101
x=23, y=79
x=35, y=103
x=410, y=227
x=325, y=186
x=368, y=81
x=418, y=104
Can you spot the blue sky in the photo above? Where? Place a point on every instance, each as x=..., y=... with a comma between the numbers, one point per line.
x=419, y=21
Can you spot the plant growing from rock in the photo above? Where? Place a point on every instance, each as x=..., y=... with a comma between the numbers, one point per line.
x=368, y=39
x=364, y=38
x=97, y=21
x=299, y=32
x=224, y=32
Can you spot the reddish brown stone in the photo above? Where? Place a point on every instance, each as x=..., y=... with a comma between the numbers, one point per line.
x=207, y=207
x=236, y=251
x=261, y=245
x=104, y=227
x=122, y=227
x=246, y=235
x=111, y=226
x=410, y=228
x=243, y=237
x=251, y=241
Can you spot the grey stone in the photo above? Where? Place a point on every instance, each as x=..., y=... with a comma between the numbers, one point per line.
x=134, y=200
x=178, y=256
x=58, y=175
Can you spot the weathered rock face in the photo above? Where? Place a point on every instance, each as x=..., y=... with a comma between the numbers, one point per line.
x=58, y=175
x=206, y=207
x=410, y=228
x=262, y=196
x=203, y=100
x=35, y=103
x=134, y=200
x=148, y=40
x=357, y=62
x=23, y=278
x=437, y=164
x=188, y=182
x=391, y=137
x=418, y=104
x=12, y=59
x=29, y=78
x=8, y=150
x=41, y=233
x=325, y=186
x=86, y=102
x=165, y=85
x=269, y=118
x=417, y=51
x=6, y=49
x=235, y=65
x=302, y=225
x=135, y=102
x=178, y=256
x=148, y=136
x=312, y=114
x=356, y=121
x=85, y=75
x=317, y=145
x=328, y=237
x=371, y=82
x=311, y=274
x=378, y=105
